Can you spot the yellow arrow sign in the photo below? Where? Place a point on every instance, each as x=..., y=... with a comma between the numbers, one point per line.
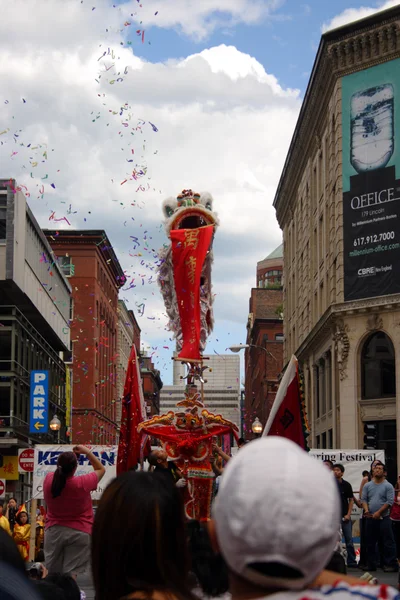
x=38, y=425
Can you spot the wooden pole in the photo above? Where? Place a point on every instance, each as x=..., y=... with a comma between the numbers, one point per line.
x=32, y=541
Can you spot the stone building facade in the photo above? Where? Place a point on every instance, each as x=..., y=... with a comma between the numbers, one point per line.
x=128, y=335
x=346, y=348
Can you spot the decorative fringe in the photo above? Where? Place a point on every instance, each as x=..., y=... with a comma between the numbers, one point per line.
x=304, y=420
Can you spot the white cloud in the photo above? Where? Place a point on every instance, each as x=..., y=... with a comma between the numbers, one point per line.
x=198, y=19
x=224, y=125
x=354, y=14
x=55, y=19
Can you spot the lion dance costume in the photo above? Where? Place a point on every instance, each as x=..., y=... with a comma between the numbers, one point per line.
x=184, y=277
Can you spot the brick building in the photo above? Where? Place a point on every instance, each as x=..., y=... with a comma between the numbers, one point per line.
x=88, y=259
x=270, y=270
x=152, y=385
x=264, y=352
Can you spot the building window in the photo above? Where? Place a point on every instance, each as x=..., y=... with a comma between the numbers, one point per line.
x=66, y=266
x=273, y=279
x=378, y=374
x=330, y=439
x=279, y=337
x=317, y=392
x=3, y=218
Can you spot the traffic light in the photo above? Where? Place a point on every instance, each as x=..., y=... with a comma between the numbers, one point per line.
x=370, y=436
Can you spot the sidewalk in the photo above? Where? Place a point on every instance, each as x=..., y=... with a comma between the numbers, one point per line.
x=382, y=577
x=86, y=584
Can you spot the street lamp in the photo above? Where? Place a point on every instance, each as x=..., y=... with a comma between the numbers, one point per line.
x=257, y=426
x=55, y=424
x=238, y=347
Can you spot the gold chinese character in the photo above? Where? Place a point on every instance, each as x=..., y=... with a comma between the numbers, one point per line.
x=191, y=262
x=9, y=468
x=191, y=238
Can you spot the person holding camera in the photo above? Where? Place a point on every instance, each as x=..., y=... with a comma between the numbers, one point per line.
x=69, y=518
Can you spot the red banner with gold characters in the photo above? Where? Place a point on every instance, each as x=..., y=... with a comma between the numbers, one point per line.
x=189, y=250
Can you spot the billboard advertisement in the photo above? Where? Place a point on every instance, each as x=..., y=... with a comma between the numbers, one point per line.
x=45, y=461
x=371, y=181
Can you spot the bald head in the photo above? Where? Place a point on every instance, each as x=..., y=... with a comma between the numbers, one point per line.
x=158, y=458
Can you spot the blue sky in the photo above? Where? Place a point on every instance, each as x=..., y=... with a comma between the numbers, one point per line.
x=285, y=44
x=222, y=80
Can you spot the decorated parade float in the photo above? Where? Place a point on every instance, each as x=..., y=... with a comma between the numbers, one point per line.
x=184, y=277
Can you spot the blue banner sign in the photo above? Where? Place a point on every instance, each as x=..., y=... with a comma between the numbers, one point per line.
x=50, y=457
x=39, y=402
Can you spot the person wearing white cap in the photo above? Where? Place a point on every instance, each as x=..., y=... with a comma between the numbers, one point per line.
x=276, y=522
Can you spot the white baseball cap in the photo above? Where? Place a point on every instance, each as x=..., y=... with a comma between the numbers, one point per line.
x=277, y=507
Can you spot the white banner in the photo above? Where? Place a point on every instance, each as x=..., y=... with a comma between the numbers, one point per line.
x=354, y=462
x=46, y=461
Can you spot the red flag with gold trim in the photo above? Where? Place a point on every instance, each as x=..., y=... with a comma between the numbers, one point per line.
x=287, y=417
x=133, y=413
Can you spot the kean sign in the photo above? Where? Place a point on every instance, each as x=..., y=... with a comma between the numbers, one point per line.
x=39, y=402
x=46, y=462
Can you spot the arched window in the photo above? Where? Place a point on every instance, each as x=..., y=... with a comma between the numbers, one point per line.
x=378, y=379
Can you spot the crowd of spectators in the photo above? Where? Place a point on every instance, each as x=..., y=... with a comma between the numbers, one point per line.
x=261, y=541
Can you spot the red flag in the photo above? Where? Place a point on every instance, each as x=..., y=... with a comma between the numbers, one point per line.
x=286, y=416
x=189, y=250
x=133, y=413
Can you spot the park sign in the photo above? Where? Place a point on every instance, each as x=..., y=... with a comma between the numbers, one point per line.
x=39, y=402
x=46, y=457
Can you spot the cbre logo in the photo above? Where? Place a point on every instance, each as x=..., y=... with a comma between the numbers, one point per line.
x=366, y=271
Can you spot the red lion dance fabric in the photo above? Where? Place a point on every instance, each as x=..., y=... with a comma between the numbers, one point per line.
x=189, y=250
x=185, y=281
